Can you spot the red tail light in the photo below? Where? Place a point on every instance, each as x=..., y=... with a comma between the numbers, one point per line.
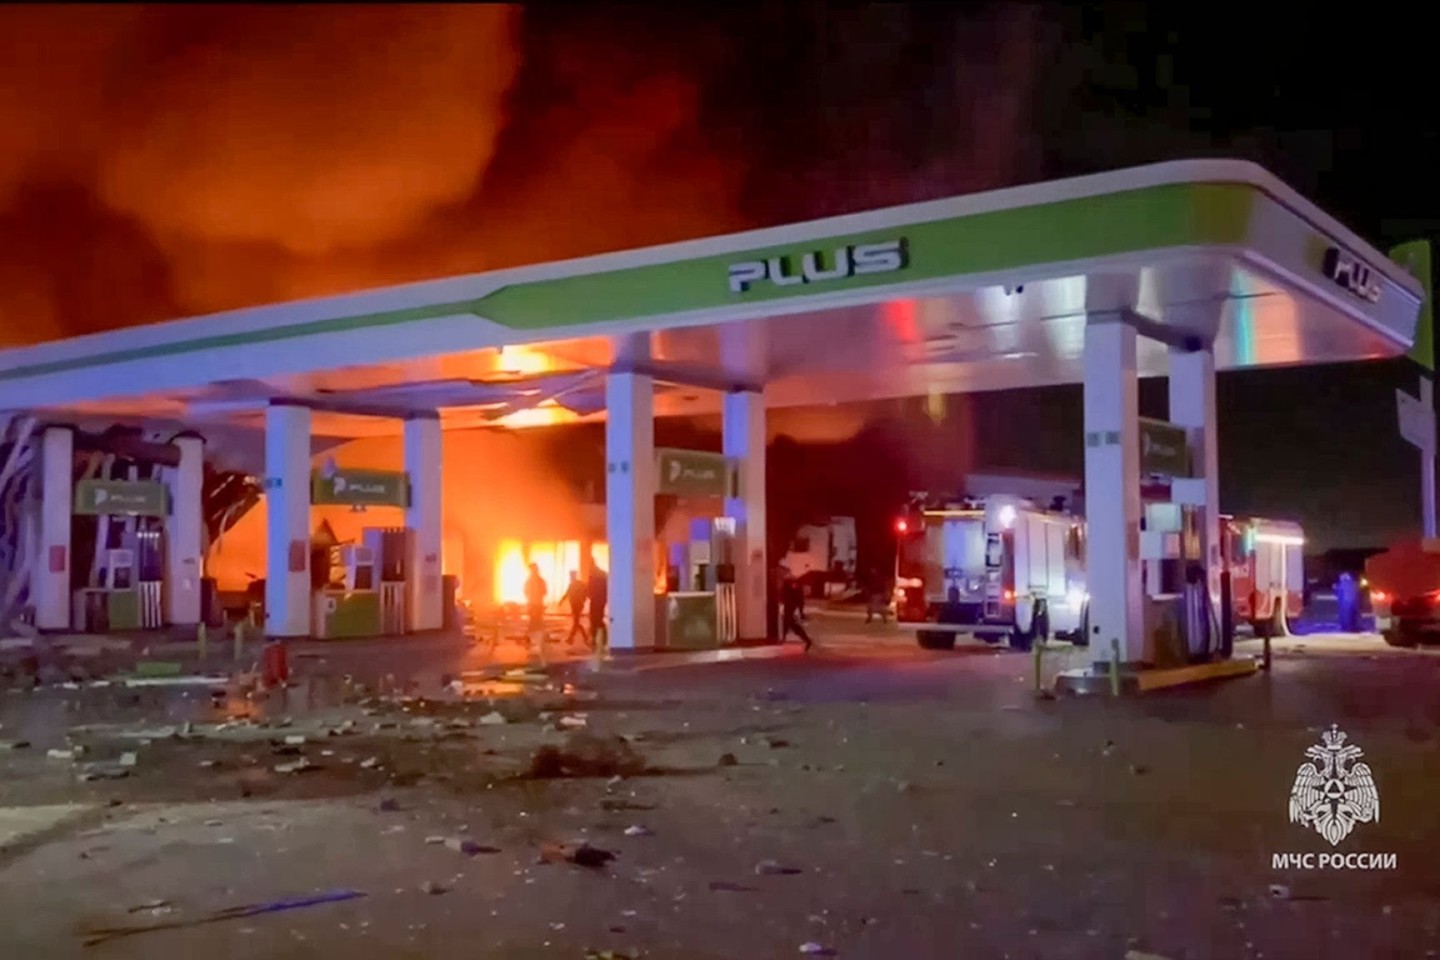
x=1379, y=596
x=1009, y=596
x=902, y=526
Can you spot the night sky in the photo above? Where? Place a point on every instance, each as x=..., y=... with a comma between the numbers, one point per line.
x=172, y=160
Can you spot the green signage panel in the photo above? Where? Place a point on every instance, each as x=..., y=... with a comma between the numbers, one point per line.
x=1164, y=449
x=135, y=498
x=1416, y=258
x=694, y=473
x=360, y=488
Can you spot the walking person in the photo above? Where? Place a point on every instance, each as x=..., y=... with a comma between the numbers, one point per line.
x=535, y=592
x=575, y=596
x=877, y=591
x=792, y=608
x=599, y=593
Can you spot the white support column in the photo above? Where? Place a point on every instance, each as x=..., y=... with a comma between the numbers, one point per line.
x=287, y=509
x=1192, y=405
x=424, y=515
x=1427, y=458
x=50, y=569
x=185, y=532
x=743, y=430
x=630, y=508
x=1112, y=489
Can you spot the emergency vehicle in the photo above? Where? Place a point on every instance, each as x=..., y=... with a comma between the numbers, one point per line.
x=822, y=556
x=1267, y=571
x=982, y=566
x=1404, y=584
x=995, y=567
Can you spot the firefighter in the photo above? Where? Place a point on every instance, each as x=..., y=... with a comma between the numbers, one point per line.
x=1347, y=594
x=792, y=608
x=877, y=590
x=599, y=588
x=575, y=597
x=535, y=593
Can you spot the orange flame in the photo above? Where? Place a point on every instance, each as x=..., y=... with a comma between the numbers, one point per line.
x=556, y=560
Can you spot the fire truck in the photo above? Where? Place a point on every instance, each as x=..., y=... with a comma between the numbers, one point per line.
x=1404, y=584
x=1005, y=568
x=995, y=568
x=1267, y=572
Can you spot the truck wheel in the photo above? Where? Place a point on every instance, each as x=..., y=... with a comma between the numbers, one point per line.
x=1399, y=636
x=936, y=640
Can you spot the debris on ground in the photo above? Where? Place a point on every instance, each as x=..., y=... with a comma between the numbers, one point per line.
x=298, y=766
x=434, y=840
x=369, y=763
x=467, y=846
x=98, y=935
x=727, y=760
x=585, y=755
x=775, y=743
x=816, y=950
x=774, y=868
x=493, y=719
x=607, y=955
x=388, y=805
x=1279, y=891
x=639, y=830
x=1142, y=955
x=433, y=888
x=152, y=906
x=103, y=771
x=617, y=804
x=1139, y=769
x=14, y=744
x=128, y=759
x=581, y=854
x=725, y=886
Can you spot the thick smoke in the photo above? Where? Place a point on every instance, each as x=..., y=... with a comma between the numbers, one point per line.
x=168, y=160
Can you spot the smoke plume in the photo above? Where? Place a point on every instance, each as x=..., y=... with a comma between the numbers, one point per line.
x=168, y=160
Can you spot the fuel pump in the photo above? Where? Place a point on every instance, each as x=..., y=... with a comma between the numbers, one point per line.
x=1180, y=616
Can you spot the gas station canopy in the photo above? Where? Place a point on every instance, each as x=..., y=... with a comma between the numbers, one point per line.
x=983, y=292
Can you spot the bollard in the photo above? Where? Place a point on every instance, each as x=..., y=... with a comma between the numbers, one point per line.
x=1114, y=668
x=1039, y=648
x=202, y=642
x=1267, y=650
x=240, y=640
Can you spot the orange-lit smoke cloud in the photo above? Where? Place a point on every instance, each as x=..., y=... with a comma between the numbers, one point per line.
x=327, y=128
x=238, y=155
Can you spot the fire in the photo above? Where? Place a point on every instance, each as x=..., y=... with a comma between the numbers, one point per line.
x=556, y=560
x=545, y=415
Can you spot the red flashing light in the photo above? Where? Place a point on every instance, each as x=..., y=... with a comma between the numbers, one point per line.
x=1009, y=596
x=1378, y=596
x=901, y=526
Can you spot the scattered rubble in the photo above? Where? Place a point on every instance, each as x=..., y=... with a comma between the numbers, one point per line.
x=299, y=766
x=586, y=755
x=773, y=868
x=639, y=830
x=581, y=854
x=467, y=846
